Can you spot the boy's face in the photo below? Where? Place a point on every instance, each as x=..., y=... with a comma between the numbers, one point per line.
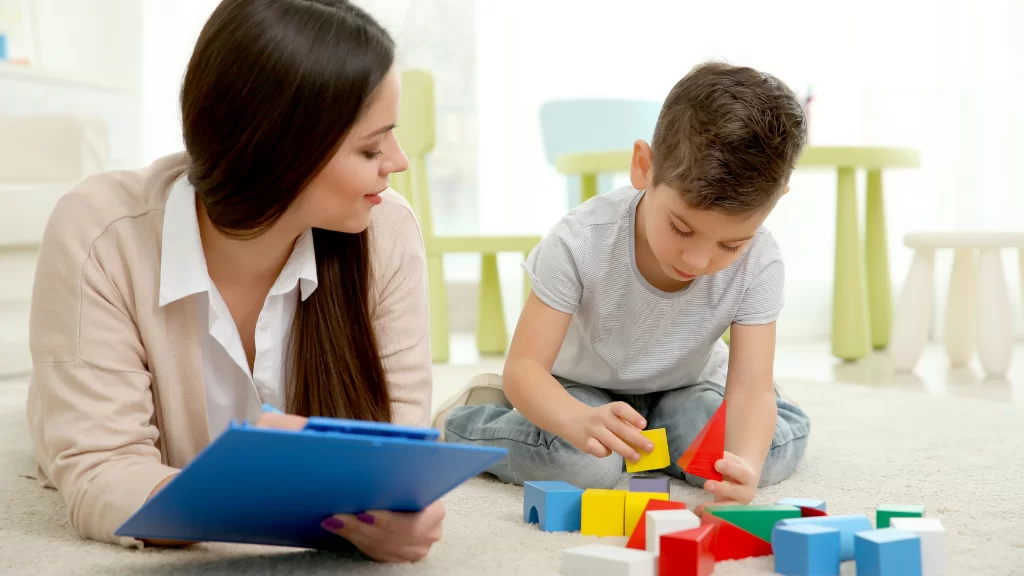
x=688, y=242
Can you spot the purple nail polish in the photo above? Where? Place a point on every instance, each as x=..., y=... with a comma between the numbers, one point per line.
x=332, y=524
x=366, y=518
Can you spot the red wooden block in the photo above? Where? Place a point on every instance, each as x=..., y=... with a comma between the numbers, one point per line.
x=805, y=512
x=688, y=553
x=732, y=542
x=638, y=539
x=707, y=448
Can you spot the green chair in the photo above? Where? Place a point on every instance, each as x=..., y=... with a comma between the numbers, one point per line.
x=416, y=133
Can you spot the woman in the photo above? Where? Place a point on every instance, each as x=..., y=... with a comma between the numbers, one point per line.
x=269, y=263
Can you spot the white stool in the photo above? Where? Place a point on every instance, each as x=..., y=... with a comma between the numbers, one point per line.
x=978, y=307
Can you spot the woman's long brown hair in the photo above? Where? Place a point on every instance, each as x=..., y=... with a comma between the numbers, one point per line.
x=271, y=90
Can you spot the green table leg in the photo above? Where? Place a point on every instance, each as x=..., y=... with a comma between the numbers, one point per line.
x=877, y=261
x=491, y=337
x=438, y=309
x=588, y=187
x=849, y=300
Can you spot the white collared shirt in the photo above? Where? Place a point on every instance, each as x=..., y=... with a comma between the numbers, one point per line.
x=232, y=392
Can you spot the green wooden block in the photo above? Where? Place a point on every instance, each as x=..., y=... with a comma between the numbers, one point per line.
x=886, y=512
x=758, y=520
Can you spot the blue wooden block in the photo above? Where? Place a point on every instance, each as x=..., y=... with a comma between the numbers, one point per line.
x=848, y=526
x=555, y=506
x=803, y=503
x=806, y=550
x=888, y=552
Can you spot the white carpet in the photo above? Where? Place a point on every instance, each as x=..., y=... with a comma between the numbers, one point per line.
x=961, y=458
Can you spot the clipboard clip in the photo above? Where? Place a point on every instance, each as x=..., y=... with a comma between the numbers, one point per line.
x=322, y=425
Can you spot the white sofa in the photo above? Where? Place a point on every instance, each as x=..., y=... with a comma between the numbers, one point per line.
x=41, y=157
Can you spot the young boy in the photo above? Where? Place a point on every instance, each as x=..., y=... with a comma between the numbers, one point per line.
x=632, y=292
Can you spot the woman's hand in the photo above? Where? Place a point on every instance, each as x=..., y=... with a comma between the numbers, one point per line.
x=390, y=536
x=614, y=427
x=381, y=535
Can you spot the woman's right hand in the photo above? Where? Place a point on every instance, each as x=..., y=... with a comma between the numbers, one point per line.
x=614, y=427
x=390, y=536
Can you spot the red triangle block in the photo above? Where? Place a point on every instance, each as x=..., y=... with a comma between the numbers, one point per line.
x=806, y=511
x=638, y=539
x=707, y=448
x=733, y=542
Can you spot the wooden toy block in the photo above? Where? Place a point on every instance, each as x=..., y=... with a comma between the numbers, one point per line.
x=638, y=540
x=888, y=552
x=804, y=503
x=805, y=512
x=933, y=542
x=608, y=561
x=603, y=513
x=806, y=550
x=886, y=512
x=657, y=458
x=553, y=506
x=687, y=553
x=732, y=542
x=636, y=502
x=758, y=520
x=661, y=522
x=848, y=526
x=707, y=448
x=648, y=483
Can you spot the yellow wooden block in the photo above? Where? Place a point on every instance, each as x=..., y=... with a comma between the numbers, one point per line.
x=635, y=504
x=657, y=458
x=603, y=512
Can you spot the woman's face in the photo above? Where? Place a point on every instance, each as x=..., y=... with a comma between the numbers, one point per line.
x=341, y=196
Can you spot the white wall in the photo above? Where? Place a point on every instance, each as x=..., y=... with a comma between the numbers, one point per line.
x=169, y=32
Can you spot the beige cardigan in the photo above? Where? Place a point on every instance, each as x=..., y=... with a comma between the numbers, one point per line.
x=117, y=401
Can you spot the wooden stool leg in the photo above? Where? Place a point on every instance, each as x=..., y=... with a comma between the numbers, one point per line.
x=994, y=328
x=491, y=337
x=876, y=256
x=438, y=308
x=960, y=331
x=850, y=339
x=913, y=312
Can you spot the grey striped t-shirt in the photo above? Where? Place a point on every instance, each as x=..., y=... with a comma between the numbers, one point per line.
x=628, y=336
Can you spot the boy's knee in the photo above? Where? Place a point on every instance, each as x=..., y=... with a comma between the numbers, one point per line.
x=782, y=461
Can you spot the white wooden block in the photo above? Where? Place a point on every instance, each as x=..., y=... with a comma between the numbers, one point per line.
x=604, y=560
x=661, y=522
x=933, y=542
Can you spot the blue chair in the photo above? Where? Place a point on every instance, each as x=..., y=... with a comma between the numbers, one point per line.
x=594, y=126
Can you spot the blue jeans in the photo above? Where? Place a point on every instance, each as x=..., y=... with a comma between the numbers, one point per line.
x=534, y=454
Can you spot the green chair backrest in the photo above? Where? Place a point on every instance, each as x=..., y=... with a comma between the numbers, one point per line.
x=416, y=135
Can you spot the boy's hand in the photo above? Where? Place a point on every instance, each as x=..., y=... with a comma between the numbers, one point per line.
x=610, y=428
x=739, y=481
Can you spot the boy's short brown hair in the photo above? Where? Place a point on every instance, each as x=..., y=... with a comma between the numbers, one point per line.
x=728, y=138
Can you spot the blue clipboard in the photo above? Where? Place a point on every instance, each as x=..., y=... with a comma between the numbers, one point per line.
x=267, y=486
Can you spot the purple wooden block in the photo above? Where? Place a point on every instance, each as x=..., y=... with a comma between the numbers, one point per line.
x=648, y=484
